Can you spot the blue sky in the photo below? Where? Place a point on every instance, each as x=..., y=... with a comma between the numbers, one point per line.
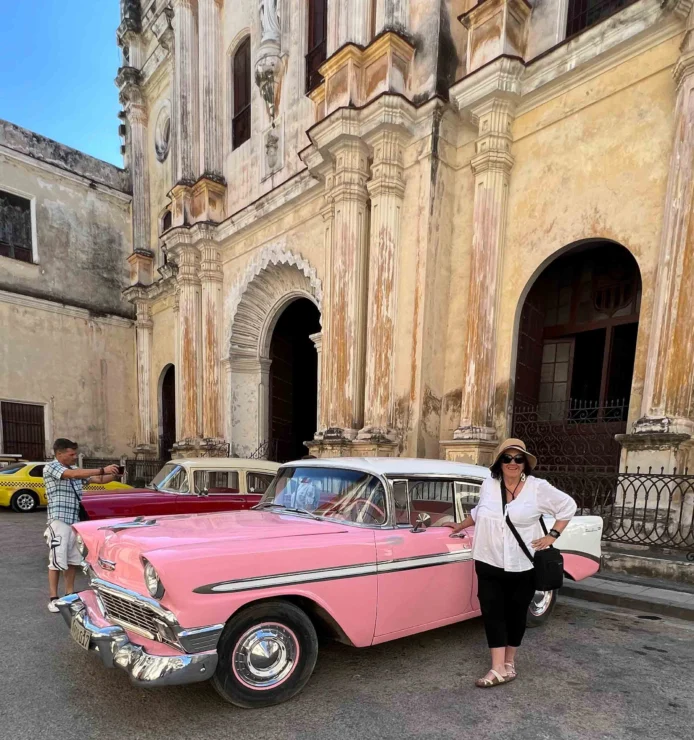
x=58, y=60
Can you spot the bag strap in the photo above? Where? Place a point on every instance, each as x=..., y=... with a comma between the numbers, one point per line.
x=78, y=496
x=519, y=539
x=511, y=526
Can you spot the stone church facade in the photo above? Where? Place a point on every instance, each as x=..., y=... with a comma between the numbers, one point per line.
x=412, y=227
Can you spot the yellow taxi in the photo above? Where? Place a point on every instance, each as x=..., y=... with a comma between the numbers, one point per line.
x=21, y=486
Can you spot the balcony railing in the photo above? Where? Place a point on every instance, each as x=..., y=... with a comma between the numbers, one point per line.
x=314, y=59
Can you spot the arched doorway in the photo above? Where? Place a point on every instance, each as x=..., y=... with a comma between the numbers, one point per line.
x=575, y=360
x=293, y=392
x=167, y=412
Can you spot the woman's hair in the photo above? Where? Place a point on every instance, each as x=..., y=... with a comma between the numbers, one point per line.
x=496, y=468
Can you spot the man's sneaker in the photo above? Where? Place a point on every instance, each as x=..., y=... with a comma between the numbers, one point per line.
x=52, y=605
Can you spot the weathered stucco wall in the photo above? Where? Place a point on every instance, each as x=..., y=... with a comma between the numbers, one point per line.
x=80, y=367
x=66, y=334
x=83, y=235
x=591, y=164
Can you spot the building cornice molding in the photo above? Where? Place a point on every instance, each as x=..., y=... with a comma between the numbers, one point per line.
x=629, y=33
x=41, y=304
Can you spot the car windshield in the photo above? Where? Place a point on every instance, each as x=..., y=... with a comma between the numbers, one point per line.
x=11, y=469
x=331, y=493
x=163, y=475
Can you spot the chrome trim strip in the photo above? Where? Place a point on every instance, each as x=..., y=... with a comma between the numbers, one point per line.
x=197, y=631
x=332, y=574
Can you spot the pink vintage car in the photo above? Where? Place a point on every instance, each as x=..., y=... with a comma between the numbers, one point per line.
x=352, y=546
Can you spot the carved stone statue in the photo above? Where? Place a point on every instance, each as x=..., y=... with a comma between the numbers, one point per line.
x=269, y=21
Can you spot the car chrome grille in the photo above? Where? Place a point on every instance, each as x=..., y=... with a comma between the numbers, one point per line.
x=130, y=613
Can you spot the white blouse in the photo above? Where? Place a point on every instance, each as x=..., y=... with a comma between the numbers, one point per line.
x=494, y=542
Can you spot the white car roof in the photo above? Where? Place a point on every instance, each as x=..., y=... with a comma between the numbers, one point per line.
x=227, y=462
x=395, y=466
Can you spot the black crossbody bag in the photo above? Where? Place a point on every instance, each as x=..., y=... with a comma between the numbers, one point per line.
x=548, y=564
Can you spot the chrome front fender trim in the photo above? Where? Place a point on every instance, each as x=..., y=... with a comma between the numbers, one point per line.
x=115, y=649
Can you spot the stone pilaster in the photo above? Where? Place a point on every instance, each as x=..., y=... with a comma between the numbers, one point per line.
x=667, y=411
x=317, y=340
x=143, y=338
x=491, y=167
x=211, y=68
x=131, y=98
x=387, y=190
x=346, y=191
x=189, y=343
x=392, y=15
x=185, y=98
x=348, y=21
x=212, y=309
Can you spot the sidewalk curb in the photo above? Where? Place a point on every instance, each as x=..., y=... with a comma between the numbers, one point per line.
x=654, y=602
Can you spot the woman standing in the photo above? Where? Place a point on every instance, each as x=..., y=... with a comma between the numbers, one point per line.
x=505, y=575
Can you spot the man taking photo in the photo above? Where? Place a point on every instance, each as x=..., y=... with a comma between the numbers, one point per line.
x=64, y=483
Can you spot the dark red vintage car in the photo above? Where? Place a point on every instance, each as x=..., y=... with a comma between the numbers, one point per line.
x=193, y=486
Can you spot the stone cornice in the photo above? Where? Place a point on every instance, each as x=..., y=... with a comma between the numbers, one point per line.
x=627, y=34
x=41, y=304
x=159, y=289
x=56, y=171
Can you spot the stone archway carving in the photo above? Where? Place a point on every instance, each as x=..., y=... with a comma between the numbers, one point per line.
x=273, y=278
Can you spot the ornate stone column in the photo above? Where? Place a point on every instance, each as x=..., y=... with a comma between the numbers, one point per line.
x=491, y=167
x=186, y=257
x=317, y=340
x=663, y=435
x=387, y=190
x=128, y=81
x=185, y=110
x=347, y=193
x=212, y=310
x=211, y=67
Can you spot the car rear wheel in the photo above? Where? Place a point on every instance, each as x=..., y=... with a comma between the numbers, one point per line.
x=24, y=501
x=541, y=608
x=267, y=654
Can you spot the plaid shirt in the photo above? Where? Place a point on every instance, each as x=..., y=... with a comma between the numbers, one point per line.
x=63, y=495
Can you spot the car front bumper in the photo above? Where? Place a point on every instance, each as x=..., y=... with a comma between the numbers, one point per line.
x=116, y=649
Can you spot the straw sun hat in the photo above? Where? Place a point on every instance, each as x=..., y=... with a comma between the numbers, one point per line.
x=514, y=444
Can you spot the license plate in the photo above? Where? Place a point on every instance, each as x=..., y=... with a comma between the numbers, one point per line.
x=80, y=635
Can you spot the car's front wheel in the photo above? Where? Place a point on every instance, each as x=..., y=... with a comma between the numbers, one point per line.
x=24, y=501
x=267, y=653
x=541, y=607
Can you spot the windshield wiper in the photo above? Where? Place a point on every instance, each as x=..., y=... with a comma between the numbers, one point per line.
x=294, y=509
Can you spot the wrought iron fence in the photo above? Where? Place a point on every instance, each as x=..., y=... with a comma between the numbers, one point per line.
x=572, y=435
x=636, y=508
x=266, y=451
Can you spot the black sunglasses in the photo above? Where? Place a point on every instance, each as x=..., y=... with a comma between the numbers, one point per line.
x=518, y=459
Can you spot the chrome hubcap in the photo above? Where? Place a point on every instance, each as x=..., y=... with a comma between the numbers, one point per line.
x=540, y=602
x=265, y=656
x=25, y=502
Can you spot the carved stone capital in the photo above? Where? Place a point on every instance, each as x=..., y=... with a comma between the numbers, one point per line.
x=141, y=264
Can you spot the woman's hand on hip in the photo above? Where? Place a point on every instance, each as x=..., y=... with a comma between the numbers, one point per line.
x=543, y=543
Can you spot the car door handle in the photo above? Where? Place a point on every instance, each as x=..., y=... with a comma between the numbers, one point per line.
x=237, y=499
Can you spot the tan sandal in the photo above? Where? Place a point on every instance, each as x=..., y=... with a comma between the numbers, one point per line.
x=510, y=670
x=496, y=680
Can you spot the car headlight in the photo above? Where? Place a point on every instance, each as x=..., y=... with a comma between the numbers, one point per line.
x=81, y=547
x=154, y=585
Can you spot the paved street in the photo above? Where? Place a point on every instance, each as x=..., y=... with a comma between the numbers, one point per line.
x=595, y=672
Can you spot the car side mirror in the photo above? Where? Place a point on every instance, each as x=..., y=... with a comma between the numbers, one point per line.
x=423, y=521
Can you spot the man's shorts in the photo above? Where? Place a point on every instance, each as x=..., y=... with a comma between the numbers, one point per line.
x=62, y=545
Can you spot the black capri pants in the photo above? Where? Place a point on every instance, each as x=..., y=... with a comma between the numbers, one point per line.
x=504, y=599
